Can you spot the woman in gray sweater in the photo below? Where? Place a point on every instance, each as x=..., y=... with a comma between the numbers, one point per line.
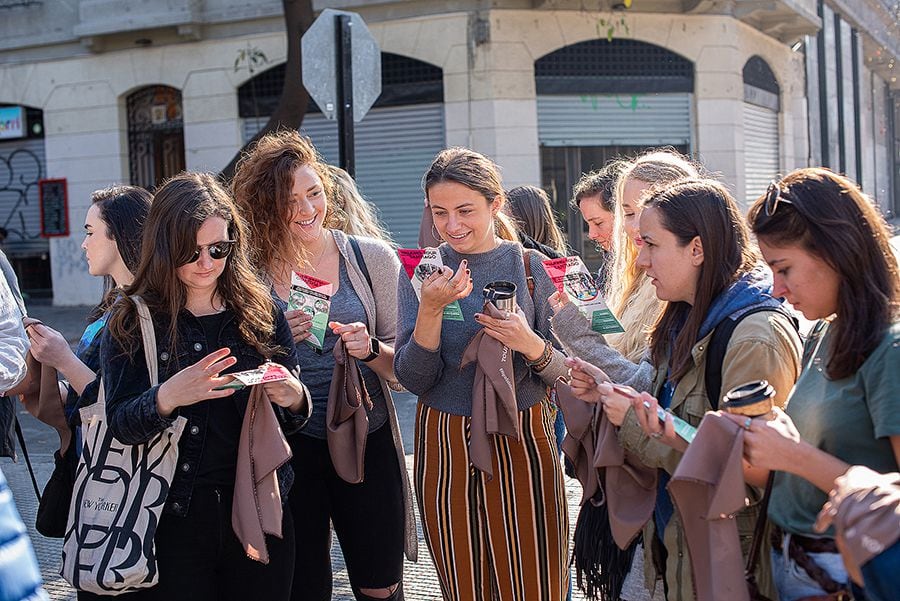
x=489, y=484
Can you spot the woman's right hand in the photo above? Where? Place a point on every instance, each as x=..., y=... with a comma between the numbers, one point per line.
x=443, y=287
x=195, y=383
x=49, y=347
x=300, y=323
x=557, y=301
x=585, y=380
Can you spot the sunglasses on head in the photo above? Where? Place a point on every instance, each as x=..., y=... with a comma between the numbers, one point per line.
x=774, y=197
x=217, y=250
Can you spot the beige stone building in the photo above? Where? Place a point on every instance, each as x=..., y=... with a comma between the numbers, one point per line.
x=104, y=91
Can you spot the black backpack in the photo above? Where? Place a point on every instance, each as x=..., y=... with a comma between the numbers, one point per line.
x=718, y=345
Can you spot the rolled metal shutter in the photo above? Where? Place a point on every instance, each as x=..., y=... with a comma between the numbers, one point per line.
x=761, y=164
x=22, y=165
x=394, y=147
x=614, y=119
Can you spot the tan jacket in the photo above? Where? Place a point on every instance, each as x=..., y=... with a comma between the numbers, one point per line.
x=763, y=346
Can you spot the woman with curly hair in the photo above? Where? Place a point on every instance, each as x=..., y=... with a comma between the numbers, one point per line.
x=285, y=191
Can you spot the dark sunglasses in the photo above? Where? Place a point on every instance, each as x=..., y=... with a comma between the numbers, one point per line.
x=774, y=197
x=217, y=250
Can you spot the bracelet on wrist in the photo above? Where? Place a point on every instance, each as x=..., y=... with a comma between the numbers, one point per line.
x=544, y=360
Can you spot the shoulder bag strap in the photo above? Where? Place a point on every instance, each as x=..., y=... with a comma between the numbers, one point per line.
x=354, y=244
x=529, y=279
x=21, y=438
x=718, y=346
x=149, y=338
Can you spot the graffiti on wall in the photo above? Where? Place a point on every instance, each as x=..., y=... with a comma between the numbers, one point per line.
x=20, y=171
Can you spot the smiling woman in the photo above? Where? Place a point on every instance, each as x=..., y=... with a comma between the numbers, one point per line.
x=286, y=192
x=492, y=500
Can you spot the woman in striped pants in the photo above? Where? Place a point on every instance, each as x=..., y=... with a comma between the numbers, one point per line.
x=488, y=480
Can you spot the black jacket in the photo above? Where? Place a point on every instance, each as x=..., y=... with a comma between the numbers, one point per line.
x=131, y=401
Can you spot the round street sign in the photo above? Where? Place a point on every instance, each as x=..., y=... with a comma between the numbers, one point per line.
x=319, y=50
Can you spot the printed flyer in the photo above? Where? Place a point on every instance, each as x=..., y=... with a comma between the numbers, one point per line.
x=313, y=297
x=420, y=263
x=570, y=275
x=267, y=372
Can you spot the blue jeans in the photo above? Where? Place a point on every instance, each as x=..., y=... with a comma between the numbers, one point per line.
x=793, y=582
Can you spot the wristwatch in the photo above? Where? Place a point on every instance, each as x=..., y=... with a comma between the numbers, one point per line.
x=374, y=350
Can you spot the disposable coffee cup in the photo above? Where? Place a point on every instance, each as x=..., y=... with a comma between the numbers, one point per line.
x=753, y=399
x=502, y=294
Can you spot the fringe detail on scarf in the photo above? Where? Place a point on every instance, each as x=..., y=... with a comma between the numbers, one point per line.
x=600, y=565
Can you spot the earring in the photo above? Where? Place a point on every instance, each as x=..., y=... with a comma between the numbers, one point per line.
x=434, y=231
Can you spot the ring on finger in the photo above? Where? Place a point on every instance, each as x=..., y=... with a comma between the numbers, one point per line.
x=747, y=423
x=656, y=435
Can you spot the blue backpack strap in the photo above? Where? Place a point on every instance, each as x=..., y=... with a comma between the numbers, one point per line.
x=718, y=346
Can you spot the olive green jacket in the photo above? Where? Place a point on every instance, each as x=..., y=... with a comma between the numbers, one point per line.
x=763, y=346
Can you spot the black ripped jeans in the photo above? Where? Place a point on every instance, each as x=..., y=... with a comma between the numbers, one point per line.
x=368, y=518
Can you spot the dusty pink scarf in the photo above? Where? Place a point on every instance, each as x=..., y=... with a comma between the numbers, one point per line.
x=257, y=500
x=494, y=409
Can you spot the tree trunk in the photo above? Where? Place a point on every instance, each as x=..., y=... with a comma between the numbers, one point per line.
x=298, y=16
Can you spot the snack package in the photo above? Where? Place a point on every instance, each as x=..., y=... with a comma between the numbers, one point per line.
x=267, y=372
x=570, y=275
x=312, y=296
x=420, y=263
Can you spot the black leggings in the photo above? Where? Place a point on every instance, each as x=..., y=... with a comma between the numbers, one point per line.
x=368, y=518
x=200, y=558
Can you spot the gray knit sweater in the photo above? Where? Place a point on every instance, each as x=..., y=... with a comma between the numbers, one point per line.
x=574, y=331
x=435, y=376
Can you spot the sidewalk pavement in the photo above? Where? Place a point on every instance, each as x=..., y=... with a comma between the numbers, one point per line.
x=419, y=578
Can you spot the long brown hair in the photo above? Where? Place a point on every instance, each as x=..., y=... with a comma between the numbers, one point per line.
x=179, y=208
x=827, y=215
x=704, y=209
x=476, y=172
x=262, y=190
x=529, y=207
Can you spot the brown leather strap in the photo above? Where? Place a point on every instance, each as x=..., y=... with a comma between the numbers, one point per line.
x=529, y=279
x=760, y=528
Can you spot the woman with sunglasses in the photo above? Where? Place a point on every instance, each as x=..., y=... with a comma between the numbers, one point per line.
x=286, y=193
x=211, y=316
x=829, y=249
x=697, y=253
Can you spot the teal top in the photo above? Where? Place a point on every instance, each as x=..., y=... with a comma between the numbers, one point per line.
x=851, y=418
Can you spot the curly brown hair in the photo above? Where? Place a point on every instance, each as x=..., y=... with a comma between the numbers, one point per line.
x=262, y=190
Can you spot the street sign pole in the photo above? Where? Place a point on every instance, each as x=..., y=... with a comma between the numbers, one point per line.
x=344, y=62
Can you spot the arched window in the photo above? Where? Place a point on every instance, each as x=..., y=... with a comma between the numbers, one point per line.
x=155, y=135
x=601, y=99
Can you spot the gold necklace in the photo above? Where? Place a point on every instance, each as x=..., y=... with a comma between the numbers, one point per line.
x=321, y=253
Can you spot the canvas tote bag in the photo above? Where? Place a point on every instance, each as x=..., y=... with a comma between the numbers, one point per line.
x=119, y=495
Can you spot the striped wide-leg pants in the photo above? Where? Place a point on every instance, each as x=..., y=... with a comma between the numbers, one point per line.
x=502, y=539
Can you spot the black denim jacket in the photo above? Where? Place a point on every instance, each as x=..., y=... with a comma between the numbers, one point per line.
x=131, y=401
